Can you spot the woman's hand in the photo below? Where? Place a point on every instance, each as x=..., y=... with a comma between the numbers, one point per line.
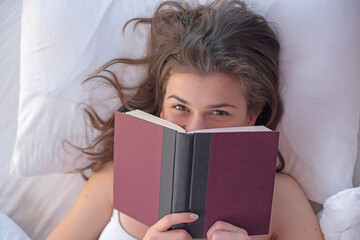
x=159, y=229
x=222, y=230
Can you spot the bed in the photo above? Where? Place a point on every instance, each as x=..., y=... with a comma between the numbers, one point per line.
x=47, y=49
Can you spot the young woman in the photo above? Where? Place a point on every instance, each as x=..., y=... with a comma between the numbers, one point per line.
x=207, y=66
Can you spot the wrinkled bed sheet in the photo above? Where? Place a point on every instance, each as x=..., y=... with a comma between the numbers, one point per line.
x=340, y=218
x=9, y=230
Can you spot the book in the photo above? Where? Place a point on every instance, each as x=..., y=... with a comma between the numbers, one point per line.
x=220, y=174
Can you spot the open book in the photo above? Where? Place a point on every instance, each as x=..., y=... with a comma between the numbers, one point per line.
x=220, y=174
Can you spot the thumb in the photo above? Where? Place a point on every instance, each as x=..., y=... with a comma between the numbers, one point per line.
x=172, y=219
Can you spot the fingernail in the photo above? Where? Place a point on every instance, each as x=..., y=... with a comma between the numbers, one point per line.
x=194, y=216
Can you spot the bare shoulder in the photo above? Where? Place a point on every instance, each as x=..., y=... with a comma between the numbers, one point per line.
x=292, y=215
x=288, y=193
x=102, y=181
x=92, y=209
x=285, y=186
x=106, y=170
x=105, y=173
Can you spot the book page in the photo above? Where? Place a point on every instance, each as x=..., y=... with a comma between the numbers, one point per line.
x=234, y=129
x=156, y=120
x=162, y=122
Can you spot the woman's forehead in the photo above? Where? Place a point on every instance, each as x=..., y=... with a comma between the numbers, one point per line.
x=211, y=89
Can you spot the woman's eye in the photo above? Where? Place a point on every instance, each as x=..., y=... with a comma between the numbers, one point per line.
x=219, y=112
x=180, y=107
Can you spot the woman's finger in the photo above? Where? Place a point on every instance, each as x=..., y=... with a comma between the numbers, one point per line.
x=178, y=234
x=175, y=218
x=217, y=235
x=226, y=227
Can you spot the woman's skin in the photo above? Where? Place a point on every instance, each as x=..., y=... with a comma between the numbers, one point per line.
x=199, y=102
x=193, y=102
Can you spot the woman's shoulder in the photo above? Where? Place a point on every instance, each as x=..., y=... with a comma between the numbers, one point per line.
x=287, y=192
x=106, y=171
x=292, y=215
x=285, y=184
x=92, y=210
x=101, y=181
x=103, y=174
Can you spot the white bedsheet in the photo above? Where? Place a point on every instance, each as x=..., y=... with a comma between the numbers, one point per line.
x=37, y=204
x=9, y=230
x=340, y=218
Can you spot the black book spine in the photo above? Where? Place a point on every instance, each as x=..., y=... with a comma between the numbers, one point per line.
x=167, y=171
x=182, y=175
x=198, y=183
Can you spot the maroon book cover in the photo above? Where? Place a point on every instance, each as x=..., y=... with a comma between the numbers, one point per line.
x=241, y=180
x=228, y=176
x=137, y=168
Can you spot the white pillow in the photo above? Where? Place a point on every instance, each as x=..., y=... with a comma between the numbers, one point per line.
x=340, y=218
x=64, y=41
x=320, y=68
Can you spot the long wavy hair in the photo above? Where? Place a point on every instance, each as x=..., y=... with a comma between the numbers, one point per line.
x=220, y=37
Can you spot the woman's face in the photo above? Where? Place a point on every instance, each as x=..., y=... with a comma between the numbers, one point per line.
x=199, y=102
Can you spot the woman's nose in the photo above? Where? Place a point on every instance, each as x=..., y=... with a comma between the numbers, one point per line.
x=196, y=122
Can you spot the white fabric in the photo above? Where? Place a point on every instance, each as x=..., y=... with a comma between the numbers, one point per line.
x=52, y=71
x=340, y=218
x=9, y=230
x=320, y=59
x=35, y=204
x=114, y=230
x=356, y=179
x=320, y=69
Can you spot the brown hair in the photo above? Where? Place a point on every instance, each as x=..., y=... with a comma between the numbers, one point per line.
x=223, y=36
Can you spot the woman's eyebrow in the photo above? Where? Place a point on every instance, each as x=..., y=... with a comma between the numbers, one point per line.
x=179, y=99
x=221, y=105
